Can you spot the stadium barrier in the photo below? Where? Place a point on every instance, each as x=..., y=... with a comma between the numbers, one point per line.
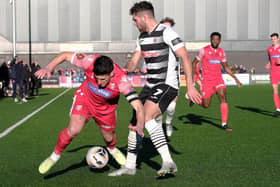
x=140, y=80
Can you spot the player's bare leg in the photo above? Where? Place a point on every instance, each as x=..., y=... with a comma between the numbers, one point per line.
x=224, y=108
x=276, y=99
x=76, y=124
x=110, y=140
x=206, y=102
x=156, y=133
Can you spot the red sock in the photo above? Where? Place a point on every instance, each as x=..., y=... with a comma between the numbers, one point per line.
x=111, y=145
x=63, y=140
x=276, y=100
x=224, y=112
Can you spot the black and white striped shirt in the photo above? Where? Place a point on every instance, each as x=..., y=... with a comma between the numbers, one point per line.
x=158, y=48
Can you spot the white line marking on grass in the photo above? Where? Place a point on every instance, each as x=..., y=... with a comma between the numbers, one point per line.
x=8, y=130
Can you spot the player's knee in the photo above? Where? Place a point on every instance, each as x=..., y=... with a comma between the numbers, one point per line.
x=108, y=138
x=73, y=131
x=205, y=105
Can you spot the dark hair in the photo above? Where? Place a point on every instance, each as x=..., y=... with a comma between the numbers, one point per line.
x=274, y=34
x=142, y=6
x=169, y=20
x=103, y=65
x=216, y=34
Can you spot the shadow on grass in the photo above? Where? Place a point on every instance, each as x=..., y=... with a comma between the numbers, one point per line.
x=83, y=163
x=146, y=153
x=194, y=119
x=256, y=110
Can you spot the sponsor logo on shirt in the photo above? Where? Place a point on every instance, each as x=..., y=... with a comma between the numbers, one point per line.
x=275, y=56
x=148, y=54
x=98, y=91
x=214, y=61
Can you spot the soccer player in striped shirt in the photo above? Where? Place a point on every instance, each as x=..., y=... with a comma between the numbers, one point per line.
x=158, y=44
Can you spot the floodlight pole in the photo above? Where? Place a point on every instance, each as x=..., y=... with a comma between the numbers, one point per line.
x=30, y=46
x=14, y=27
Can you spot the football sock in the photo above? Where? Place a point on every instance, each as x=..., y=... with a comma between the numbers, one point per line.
x=276, y=100
x=111, y=145
x=224, y=112
x=159, y=120
x=170, y=112
x=157, y=136
x=63, y=140
x=55, y=157
x=134, y=142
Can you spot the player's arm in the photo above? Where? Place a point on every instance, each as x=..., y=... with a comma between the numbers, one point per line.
x=187, y=66
x=64, y=56
x=132, y=97
x=139, y=108
x=195, y=69
x=132, y=64
x=228, y=70
x=267, y=66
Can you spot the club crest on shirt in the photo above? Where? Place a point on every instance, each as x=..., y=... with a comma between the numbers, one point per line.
x=210, y=53
x=80, y=56
x=79, y=107
x=220, y=53
x=112, y=85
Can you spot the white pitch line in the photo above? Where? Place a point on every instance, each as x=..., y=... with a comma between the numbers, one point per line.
x=8, y=130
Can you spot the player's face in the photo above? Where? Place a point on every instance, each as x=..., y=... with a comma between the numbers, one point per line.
x=167, y=23
x=274, y=40
x=215, y=41
x=102, y=80
x=139, y=22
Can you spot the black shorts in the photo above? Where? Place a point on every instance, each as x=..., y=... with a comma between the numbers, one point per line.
x=162, y=94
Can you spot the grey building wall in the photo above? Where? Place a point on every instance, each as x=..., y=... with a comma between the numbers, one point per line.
x=109, y=20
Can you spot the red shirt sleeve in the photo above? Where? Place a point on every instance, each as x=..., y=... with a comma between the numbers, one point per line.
x=82, y=60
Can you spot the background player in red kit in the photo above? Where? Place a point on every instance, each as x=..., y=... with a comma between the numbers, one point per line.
x=97, y=97
x=212, y=57
x=274, y=65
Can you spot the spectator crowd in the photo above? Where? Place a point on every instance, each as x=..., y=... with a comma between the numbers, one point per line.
x=17, y=79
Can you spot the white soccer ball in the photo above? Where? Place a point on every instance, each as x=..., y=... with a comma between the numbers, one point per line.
x=97, y=157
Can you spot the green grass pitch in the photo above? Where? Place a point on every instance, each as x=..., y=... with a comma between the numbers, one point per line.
x=205, y=154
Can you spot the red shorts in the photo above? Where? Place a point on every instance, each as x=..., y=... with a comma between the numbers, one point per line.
x=211, y=87
x=106, y=122
x=274, y=77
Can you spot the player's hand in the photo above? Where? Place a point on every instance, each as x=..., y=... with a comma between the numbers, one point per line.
x=278, y=62
x=267, y=66
x=239, y=84
x=137, y=129
x=43, y=72
x=194, y=95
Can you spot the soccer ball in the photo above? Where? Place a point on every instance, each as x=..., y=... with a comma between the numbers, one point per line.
x=97, y=157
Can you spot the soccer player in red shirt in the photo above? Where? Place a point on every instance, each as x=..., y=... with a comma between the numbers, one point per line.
x=212, y=57
x=274, y=65
x=97, y=97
